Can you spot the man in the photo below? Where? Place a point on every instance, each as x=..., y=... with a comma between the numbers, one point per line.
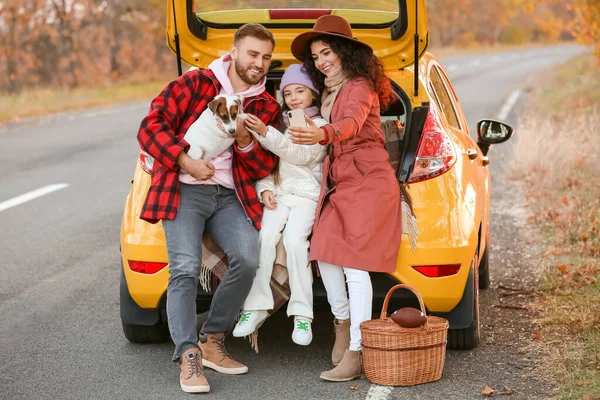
x=215, y=196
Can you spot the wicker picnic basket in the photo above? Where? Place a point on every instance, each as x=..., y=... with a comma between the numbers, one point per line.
x=397, y=356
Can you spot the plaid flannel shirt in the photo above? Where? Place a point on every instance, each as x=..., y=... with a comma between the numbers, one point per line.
x=161, y=135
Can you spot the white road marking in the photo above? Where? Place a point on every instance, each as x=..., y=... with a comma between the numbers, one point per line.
x=452, y=67
x=377, y=392
x=508, y=105
x=34, y=194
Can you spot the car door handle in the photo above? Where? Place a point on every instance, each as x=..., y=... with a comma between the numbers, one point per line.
x=472, y=153
x=485, y=160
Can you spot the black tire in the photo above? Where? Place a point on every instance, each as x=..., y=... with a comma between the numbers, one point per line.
x=467, y=338
x=484, y=269
x=143, y=334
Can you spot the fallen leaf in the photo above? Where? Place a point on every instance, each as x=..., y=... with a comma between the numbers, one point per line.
x=565, y=201
x=354, y=387
x=562, y=267
x=487, y=391
x=537, y=335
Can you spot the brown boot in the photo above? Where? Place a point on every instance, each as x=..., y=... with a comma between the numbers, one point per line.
x=191, y=377
x=214, y=355
x=349, y=368
x=342, y=339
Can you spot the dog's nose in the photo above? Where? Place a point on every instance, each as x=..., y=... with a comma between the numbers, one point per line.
x=231, y=131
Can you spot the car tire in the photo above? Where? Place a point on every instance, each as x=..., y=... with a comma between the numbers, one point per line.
x=143, y=334
x=484, y=269
x=467, y=338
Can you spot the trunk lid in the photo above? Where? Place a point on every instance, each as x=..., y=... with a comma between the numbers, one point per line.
x=205, y=28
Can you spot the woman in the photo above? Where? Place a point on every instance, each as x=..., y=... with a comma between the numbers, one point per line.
x=357, y=228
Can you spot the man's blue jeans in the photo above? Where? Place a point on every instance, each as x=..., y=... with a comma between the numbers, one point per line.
x=217, y=210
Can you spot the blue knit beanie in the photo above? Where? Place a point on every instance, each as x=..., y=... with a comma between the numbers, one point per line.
x=296, y=74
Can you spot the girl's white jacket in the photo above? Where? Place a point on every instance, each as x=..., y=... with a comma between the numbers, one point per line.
x=300, y=166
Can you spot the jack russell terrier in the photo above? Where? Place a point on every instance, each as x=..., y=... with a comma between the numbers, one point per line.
x=205, y=137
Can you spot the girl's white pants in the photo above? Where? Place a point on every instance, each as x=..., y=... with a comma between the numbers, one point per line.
x=358, y=307
x=297, y=215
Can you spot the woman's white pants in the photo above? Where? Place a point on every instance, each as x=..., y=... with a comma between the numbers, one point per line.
x=297, y=215
x=356, y=303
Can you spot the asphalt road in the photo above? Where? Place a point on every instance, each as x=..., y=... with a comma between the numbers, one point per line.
x=60, y=332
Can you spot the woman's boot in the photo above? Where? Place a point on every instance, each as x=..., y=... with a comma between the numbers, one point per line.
x=349, y=368
x=342, y=339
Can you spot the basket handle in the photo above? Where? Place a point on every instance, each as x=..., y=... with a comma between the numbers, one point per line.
x=389, y=295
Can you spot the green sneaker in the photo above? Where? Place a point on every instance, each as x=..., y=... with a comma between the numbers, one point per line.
x=302, y=334
x=249, y=321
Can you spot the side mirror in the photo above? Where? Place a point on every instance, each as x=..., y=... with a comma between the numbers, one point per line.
x=492, y=132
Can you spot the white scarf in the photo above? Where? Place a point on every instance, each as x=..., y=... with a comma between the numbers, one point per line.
x=333, y=84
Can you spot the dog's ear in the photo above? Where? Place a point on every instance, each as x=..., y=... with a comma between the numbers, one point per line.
x=213, y=105
x=239, y=99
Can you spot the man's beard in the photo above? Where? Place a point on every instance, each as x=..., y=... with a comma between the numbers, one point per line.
x=244, y=74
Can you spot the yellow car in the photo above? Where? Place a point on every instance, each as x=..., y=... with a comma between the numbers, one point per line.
x=444, y=168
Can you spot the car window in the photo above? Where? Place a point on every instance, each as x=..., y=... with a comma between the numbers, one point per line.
x=379, y=5
x=457, y=106
x=443, y=98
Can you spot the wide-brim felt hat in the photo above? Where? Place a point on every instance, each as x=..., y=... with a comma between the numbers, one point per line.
x=332, y=25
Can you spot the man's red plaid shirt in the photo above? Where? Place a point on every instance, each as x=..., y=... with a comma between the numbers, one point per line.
x=161, y=135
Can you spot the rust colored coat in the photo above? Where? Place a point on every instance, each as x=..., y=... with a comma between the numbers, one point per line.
x=358, y=222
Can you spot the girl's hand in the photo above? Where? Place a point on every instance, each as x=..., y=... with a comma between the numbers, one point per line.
x=310, y=135
x=269, y=199
x=254, y=123
x=242, y=137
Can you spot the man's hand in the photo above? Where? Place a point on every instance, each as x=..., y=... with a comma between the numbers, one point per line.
x=269, y=199
x=242, y=136
x=199, y=169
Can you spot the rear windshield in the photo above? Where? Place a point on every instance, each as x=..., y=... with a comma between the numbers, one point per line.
x=223, y=5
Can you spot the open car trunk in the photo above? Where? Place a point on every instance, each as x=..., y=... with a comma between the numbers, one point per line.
x=202, y=30
x=401, y=127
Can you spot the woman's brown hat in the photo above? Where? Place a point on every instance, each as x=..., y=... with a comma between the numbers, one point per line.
x=332, y=25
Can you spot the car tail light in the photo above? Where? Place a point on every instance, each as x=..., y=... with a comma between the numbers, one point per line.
x=146, y=162
x=145, y=267
x=435, y=153
x=436, y=271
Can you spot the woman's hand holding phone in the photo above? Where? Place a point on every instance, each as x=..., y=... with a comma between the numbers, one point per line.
x=310, y=135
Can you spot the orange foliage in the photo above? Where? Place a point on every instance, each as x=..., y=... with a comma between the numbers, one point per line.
x=75, y=43
x=584, y=23
x=465, y=22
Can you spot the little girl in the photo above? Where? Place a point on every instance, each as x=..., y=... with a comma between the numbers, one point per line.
x=290, y=197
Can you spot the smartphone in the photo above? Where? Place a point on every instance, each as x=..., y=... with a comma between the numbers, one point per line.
x=296, y=117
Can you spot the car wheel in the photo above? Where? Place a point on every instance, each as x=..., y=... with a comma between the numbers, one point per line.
x=468, y=338
x=158, y=333
x=484, y=269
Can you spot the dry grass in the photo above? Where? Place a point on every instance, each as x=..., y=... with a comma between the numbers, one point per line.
x=558, y=158
x=440, y=52
x=49, y=101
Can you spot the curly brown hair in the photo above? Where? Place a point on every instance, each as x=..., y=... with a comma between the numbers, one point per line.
x=357, y=61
